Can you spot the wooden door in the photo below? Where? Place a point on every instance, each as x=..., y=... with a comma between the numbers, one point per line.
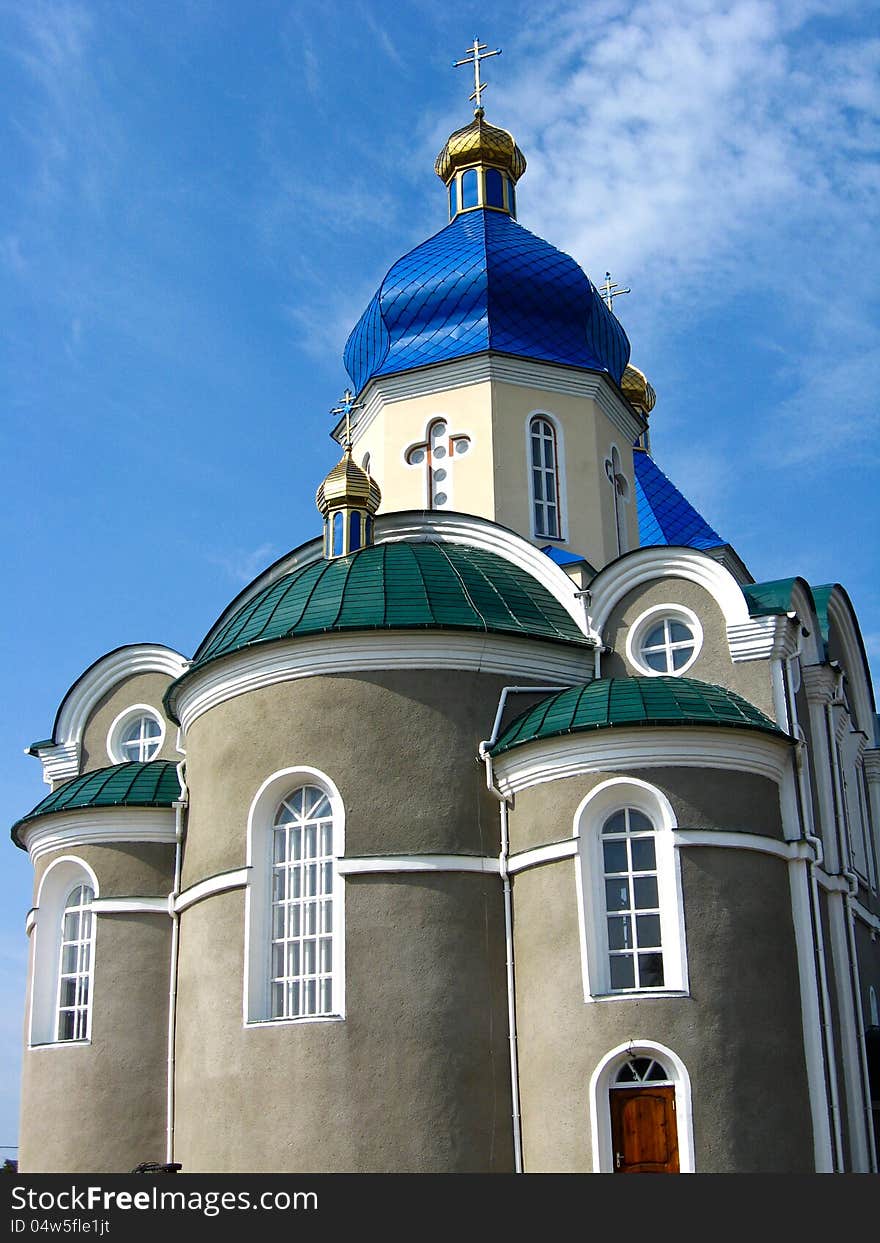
x=644, y=1134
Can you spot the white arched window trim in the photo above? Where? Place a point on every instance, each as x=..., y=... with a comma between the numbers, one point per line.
x=610, y=796
x=258, y=896
x=600, y=1108
x=621, y=492
x=652, y=617
x=115, y=750
x=59, y=879
x=562, y=500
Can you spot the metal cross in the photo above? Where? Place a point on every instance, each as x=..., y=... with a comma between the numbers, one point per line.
x=346, y=405
x=474, y=55
x=611, y=291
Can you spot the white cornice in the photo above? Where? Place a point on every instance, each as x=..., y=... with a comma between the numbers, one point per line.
x=101, y=826
x=820, y=682
x=60, y=757
x=128, y=906
x=376, y=651
x=371, y=864
x=622, y=749
x=499, y=368
x=646, y=565
x=763, y=638
x=220, y=883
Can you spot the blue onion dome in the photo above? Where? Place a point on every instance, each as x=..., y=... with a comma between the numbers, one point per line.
x=484, y=282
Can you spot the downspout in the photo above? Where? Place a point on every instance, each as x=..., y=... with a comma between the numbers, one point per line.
x=790, y=719
x=484, y=753
x=180, y=807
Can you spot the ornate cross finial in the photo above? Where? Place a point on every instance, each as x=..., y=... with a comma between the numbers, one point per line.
x=346, y=406
x=475, y=54
x=611, y=291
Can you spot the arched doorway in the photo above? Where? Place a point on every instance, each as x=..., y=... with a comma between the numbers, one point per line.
x=644, y=1129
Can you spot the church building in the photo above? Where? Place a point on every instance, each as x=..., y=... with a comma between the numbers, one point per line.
x=506, y=824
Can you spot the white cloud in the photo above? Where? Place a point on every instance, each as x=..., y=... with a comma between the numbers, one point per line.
x=243, y=565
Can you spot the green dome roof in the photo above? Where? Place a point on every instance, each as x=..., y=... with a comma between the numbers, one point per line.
x=632, y=701
x=397, y=586
x=150, y=784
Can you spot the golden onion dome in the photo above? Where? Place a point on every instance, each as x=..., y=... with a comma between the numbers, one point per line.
x=480, y=143
x=348, y=485
x=637, y=389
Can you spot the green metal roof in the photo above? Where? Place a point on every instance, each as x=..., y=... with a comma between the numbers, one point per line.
x=765, y=599
x=151, y=784
x=607, y=702
x=397, y=586
x=821, y=596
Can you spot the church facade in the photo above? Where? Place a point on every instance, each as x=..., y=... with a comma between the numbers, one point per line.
x=507, y=825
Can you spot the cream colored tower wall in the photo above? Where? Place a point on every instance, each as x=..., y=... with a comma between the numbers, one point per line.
x=489, y=472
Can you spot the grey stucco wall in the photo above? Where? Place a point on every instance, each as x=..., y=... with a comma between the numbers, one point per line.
x=751, y=679
x=701, y=798
x=100, y=1107
x=415, y=1079
x=142, y=688
x=124, y=870
x=739, y=1033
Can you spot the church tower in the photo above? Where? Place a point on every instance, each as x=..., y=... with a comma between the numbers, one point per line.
x=488, y=370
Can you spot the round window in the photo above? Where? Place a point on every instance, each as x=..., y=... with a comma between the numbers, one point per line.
x=135, y=736
x=665, y=640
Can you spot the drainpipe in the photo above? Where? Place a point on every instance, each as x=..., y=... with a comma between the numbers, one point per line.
x=179, y=811
x=484, y=750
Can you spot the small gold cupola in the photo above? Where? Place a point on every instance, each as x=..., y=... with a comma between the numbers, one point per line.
x=348, y=498
x=481, y=163
x=639, y=392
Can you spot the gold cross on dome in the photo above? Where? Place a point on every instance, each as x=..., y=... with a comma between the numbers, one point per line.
x=611, y=290
x=474, y=55
x=346, y=406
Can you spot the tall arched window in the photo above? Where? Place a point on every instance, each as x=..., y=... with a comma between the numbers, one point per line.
x=64, y=953
x=632, y=927
x=295, y=935
x=544, y=466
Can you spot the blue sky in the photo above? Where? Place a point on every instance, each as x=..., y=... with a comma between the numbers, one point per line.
x=202, y=196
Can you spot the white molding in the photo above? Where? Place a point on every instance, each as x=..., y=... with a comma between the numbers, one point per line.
x=745, y=841
x=258, y=896
x=590, y=751
x=867, y=917
x=30, y=921
x=56, y=883
x=373, y=650
x=842, y=618
x=763, y=638
x=600, y=1110
x=651, y=617
x=608, y=796
x=112, y=744
x=61, y=759
x=102, y=826
x=542, y=854
x=222, y=882
x=372, y=864
x=124, y=906
x=489, y=367
x=646, y=565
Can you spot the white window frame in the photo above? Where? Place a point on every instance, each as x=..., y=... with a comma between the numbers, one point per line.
x=600, y=1105
x=61, y=877
x=126, y=718
x=258, y=896
x=592, y=813
x=561, y=499
x=646, y=622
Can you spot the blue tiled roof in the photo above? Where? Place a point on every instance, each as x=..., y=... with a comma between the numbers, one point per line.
x=665, y=516
x=484, y=282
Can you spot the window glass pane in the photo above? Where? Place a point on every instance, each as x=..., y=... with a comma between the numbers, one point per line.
x=494, y=188
x=680, y=656
x=650, y=970
x=644, y=892
x=620, y=933
x=65, y=1025
x=648, y=932
x=617, y=895
x=627, y=1074
x=643, y=854
x=511, y=197
x=657, y=1074
x=655, y=637
x=655, y=660
x=679, y=633
x=469, y=188
x=615, y=856
x=68, y=959
x=68, y=991
x=639, y=822
x=354, y=539
x=452, y=198
x=622, y=971
x=538, y=483
x=337, y=535
x=615, y=823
